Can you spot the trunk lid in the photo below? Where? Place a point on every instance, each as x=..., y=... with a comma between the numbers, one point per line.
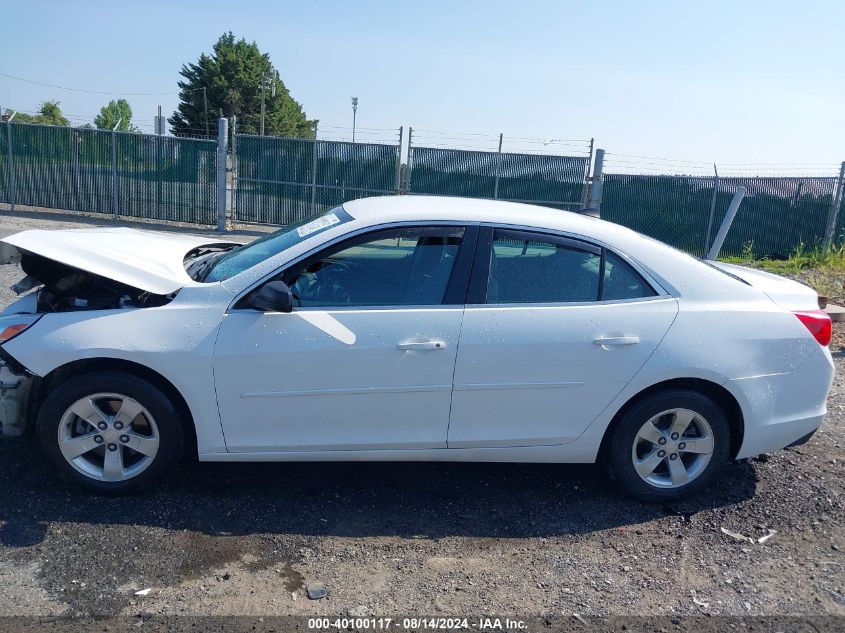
x=149, y=261
x=787, y=293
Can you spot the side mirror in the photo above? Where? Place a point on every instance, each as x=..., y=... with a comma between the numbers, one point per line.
x=274, y=296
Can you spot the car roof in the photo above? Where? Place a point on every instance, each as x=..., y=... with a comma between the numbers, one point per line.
x=387, y=209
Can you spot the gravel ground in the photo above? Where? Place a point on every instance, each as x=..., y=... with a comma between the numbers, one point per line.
x=452, y=539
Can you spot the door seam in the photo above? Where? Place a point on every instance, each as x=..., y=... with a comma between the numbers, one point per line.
x=454, y=371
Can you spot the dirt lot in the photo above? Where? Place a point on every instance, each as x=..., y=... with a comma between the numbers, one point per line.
x=424, y=538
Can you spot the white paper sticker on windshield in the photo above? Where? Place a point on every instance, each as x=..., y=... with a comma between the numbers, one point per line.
x=315, y=225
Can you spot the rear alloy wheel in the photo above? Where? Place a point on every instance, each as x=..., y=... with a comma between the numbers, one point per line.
x=672, y=448
x=669, y=446
x=112, y=431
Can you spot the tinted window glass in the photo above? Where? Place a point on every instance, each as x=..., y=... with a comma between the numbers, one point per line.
x=389, y=268
x=621, y=281
x=540, y=271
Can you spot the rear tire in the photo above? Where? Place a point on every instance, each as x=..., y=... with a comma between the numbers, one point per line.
x=111, y=431
x=669, y=446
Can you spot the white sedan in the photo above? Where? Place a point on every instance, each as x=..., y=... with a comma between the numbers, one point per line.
x=406, y=328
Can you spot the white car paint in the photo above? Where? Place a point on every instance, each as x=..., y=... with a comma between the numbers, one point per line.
x=374, y=396
x=563, y=379
x=791, y=296
x=524, y=383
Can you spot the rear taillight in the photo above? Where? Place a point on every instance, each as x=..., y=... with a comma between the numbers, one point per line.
x=818, y=322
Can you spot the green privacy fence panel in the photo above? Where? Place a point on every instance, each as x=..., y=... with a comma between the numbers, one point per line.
x=776, y=214
x=543, y=179
x=166, y=178
x=672, y=209
x=158, y=177
x=275, y=182
x=4, y=171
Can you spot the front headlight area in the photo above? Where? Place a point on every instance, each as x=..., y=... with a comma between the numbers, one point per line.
x=12, y=325
x=15, y=380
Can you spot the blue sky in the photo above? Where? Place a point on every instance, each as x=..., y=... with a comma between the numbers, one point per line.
x=732, y=82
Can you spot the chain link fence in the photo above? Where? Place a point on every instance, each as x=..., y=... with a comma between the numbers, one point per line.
x=776, y=215
x=555, y=181
x=281, y=180
x=81, y=169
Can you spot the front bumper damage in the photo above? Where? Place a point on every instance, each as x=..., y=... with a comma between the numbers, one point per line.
x=15, y=385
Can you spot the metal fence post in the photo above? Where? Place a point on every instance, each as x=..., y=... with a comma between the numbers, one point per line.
x=596, y=184
x=76, y=175
x=408, y=167
x=712, y=208
x=13, y=187
x=585, y=190
x=233, y=198
x=835, y=203
x=314, y=173
x=398, y=181
x=114, y=183
x=222, y=157
x=498, y=167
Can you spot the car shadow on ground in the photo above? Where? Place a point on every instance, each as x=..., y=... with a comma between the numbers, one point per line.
x=406, y=500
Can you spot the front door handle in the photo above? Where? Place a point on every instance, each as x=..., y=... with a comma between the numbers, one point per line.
x=417, y=343
x=616, y=340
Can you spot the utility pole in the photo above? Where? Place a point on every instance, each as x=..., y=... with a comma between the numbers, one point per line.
x=354, y=113
x=205, y=109
x=264, y=80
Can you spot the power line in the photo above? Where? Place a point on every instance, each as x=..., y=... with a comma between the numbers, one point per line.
x=93, y=92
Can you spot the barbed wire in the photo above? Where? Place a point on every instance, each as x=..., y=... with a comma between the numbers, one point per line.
x=486, y=142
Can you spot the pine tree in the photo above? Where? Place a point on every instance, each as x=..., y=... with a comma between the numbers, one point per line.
x=232, y=76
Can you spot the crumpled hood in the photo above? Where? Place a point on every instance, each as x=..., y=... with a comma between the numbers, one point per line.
x=142, y=259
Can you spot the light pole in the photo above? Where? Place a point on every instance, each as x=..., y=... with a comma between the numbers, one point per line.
x=354, y=113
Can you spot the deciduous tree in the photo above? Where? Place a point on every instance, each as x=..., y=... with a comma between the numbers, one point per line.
x=116, y=112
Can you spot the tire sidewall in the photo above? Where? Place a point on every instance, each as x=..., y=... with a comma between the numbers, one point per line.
x=168, y=422
x=618, y=457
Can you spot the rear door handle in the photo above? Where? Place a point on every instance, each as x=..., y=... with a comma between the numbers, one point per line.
x=421, y=344
x=616, y=340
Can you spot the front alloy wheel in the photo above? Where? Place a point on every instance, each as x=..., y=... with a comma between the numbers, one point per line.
x=112, y=431
x=108, y=437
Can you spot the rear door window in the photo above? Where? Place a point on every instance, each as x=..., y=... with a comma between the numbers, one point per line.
x=533, y=268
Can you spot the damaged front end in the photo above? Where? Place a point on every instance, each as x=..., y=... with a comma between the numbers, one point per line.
x=64, y=288
x=15, y=387
x=52, y=287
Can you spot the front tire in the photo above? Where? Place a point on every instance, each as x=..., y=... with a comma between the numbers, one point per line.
x=111, y=431
x=669, y=446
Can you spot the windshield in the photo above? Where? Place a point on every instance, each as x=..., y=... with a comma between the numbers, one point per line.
x=248, y=255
